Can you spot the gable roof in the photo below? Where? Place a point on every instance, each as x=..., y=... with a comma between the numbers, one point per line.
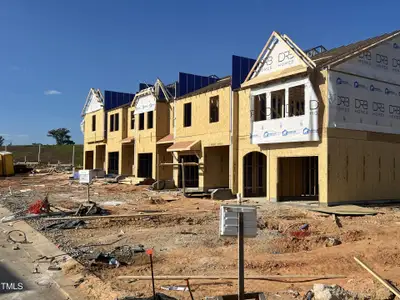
x=303, y=60
x=99, y=97
x=345, y=52
x=158, y=90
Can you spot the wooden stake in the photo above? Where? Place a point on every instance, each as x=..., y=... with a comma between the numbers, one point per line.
x=389, y=286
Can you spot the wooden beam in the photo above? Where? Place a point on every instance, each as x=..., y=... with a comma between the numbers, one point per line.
x=216, y=277
x=389, y=286
x=106, y=217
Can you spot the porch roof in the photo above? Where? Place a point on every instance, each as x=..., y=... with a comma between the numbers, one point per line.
x=184, y=146
x=128, y=140
x=168, y=139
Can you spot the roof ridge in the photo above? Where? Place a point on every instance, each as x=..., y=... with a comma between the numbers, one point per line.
x=334, y=54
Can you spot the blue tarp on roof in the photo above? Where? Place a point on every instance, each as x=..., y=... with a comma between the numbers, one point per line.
x=241, y=67
x=116, y=99
x=189, y=83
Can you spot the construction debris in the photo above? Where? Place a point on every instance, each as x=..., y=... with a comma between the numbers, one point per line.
x=175, y=288
x=68, y=224
x=222, y=194
x=345, y=210
x=107, y=217
x=24, y=240
x=332, y=292
x=388, y=285
x=159, y=296
x=214, y=277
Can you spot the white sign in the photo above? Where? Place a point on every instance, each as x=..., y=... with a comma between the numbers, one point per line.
x=85, y=176
x=362, y=104
x=229, y=220
x=381, y=62
x=302, y=128
x=280, y=56
x=145, y=104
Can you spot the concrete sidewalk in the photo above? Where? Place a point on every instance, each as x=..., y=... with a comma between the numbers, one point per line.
x=17, y=280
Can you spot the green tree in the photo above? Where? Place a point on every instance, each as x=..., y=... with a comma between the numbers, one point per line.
x=1, y=140
x=61, y=135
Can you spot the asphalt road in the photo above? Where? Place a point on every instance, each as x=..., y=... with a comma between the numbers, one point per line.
x=16, y=278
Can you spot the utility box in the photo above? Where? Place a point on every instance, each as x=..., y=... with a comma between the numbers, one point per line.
x=85, y=176
x=229, y=220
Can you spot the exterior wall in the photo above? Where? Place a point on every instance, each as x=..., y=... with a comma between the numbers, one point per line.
x=363, y=166
x=114, y=138
x=145, y=140
x=93, y=138
x=210, y=134
x=364, y=155
x=97, y=135
x=293, y=149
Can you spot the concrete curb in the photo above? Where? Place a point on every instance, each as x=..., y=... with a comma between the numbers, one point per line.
x=46, y=248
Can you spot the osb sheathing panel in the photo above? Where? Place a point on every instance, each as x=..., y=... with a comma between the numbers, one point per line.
x=210, y=134
x=127, y=159
x=89, y=147
x=274, y=151
x=351, y=180
x=162, y=119
x=114, y=138
x=97, y=135
x=216, y=168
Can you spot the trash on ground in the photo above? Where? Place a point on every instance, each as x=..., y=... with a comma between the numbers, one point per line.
x=13, y=238
x=114, y=262
x=332, y=242
x=175, y=288
x=68, y=224
x=159, y=296
x=112, y=203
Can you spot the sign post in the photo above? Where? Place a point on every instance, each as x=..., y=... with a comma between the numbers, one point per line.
x=239, y=221
x=241, y=257
x=150, y=254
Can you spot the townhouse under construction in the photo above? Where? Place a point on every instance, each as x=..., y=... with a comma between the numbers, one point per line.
x=293, y=124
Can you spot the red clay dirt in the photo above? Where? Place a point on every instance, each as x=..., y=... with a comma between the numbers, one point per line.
x=188, y=243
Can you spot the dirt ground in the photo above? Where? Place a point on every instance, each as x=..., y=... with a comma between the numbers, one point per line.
x=187, y=242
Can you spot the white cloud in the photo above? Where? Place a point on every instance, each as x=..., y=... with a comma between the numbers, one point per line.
x=52, y=92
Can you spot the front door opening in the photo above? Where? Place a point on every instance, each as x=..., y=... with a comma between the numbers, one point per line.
x=100, y=157
x=89, y=155
x=113, y=160
x=298, y=178
x=145, y=165
x=191, y=172
x=255, y=169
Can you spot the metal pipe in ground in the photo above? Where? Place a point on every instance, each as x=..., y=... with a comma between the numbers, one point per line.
x=240, y=257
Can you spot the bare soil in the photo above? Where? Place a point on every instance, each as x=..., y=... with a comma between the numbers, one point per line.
x=187, y=242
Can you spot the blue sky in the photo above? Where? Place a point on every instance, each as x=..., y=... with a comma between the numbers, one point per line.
x=53, y=52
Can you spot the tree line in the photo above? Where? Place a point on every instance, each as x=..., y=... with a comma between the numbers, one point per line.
x=61, y=135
